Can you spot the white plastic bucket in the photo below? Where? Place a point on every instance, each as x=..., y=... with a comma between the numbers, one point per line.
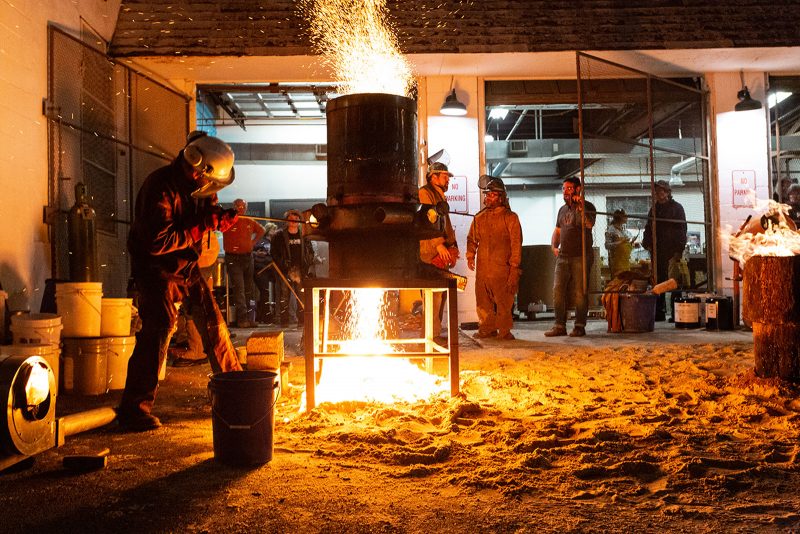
x=36, y=328
x=86, y=365
x=115, y=317
x=79, y=304
x=49, y=352
x=119, y=352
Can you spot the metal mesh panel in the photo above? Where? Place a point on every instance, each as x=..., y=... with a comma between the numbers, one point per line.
x=784, y=116
x=637, y=129
x=106, y=124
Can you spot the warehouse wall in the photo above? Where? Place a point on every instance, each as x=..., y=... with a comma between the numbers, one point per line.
x=24, y=247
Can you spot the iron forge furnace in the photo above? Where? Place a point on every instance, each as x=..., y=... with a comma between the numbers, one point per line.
x=373, y=222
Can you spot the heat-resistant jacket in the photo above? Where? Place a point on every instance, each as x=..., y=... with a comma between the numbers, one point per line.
x=430, y=194
x=160, y=241
x=496, y=236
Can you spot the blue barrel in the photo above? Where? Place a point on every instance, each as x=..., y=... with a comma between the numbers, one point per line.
x=242, y=416
x=638, y=311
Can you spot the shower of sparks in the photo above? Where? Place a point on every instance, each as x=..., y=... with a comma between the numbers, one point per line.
x=365, y=376
x=359, y=45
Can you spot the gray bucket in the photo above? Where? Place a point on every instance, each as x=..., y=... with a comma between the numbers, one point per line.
x=638, y=311
x=242, y=416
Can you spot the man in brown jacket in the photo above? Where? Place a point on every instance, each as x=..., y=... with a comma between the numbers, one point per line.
x=440, y=252
x=495, y=236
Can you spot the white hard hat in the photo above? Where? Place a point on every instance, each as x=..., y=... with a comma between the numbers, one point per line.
x=214, y=158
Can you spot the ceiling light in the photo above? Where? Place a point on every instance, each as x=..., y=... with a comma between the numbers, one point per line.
x=746, y=102
x=498, y=113
x=452, y=106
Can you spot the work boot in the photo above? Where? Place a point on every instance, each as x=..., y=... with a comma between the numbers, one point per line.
x=139, y=423
x=507, y=337
x=577, y=331
x=557, y=330
x=484, y=335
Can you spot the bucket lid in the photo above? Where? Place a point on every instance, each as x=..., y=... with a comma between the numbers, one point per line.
x=74, y=286
x=116, y=302
x=121, y=340
x=41, y=320
x=29, y=349
x=252, y=377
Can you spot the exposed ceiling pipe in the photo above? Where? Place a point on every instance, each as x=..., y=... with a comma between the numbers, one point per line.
x=675, y=179
x=516, y=124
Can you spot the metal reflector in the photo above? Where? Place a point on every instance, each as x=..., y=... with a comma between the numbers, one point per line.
x=27, y=386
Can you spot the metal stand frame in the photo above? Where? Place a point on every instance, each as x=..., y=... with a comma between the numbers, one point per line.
x=317, y=344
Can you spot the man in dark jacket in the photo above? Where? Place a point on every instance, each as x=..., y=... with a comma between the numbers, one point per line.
x=175, y=207
x=294, y=256
x=670, y=238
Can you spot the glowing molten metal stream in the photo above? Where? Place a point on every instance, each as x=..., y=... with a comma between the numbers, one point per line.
x=367, y=377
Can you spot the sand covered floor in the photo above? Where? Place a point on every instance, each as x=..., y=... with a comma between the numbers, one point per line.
x=545, y=438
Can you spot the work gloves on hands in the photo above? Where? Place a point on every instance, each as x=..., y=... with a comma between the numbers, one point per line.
x=213, y=218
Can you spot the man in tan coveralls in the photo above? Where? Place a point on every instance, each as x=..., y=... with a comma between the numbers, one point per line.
x=496, y=237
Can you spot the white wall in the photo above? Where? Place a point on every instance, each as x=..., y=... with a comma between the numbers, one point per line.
x=461, y=138
x=24, y=250
x=741, y=144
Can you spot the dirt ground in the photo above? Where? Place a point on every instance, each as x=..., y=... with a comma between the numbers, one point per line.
x=661, y=432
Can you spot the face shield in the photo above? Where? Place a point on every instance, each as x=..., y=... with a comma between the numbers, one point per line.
x=213, y=158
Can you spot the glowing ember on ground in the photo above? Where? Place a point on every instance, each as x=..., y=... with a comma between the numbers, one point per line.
x=778, y=239
x=358, y=44
x=367, y=377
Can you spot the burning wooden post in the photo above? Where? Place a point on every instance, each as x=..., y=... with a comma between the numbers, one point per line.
x=771, y=288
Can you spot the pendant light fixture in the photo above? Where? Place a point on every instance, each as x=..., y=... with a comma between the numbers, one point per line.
x=746, y=102
x=452, y=106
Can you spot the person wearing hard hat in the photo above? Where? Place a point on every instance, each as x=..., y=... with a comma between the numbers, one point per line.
x=495, y=237
x=441, y=252
x=175, y=208
x=664, y=238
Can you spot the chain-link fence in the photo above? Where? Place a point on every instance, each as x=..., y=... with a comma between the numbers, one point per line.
x=638, y=131
x=109, y=126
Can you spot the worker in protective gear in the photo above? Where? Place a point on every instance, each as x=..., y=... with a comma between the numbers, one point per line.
x=495, y=237
x=175, y=208
x=441, y=252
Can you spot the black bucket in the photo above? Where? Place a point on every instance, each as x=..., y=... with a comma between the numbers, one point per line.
x=242, y=416
x=719, y=313
x=687, y=312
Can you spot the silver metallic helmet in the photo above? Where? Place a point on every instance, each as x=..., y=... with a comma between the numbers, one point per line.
x=214, y=159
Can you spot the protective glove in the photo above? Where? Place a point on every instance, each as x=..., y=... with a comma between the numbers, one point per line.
x=209, y=219
x=227, y=219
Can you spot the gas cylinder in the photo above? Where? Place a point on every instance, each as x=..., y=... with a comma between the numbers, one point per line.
x=82, y=239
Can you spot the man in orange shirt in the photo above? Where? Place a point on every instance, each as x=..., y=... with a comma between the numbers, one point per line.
x=238, y=243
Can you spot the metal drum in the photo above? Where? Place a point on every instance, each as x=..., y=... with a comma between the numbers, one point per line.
x=687, y=312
